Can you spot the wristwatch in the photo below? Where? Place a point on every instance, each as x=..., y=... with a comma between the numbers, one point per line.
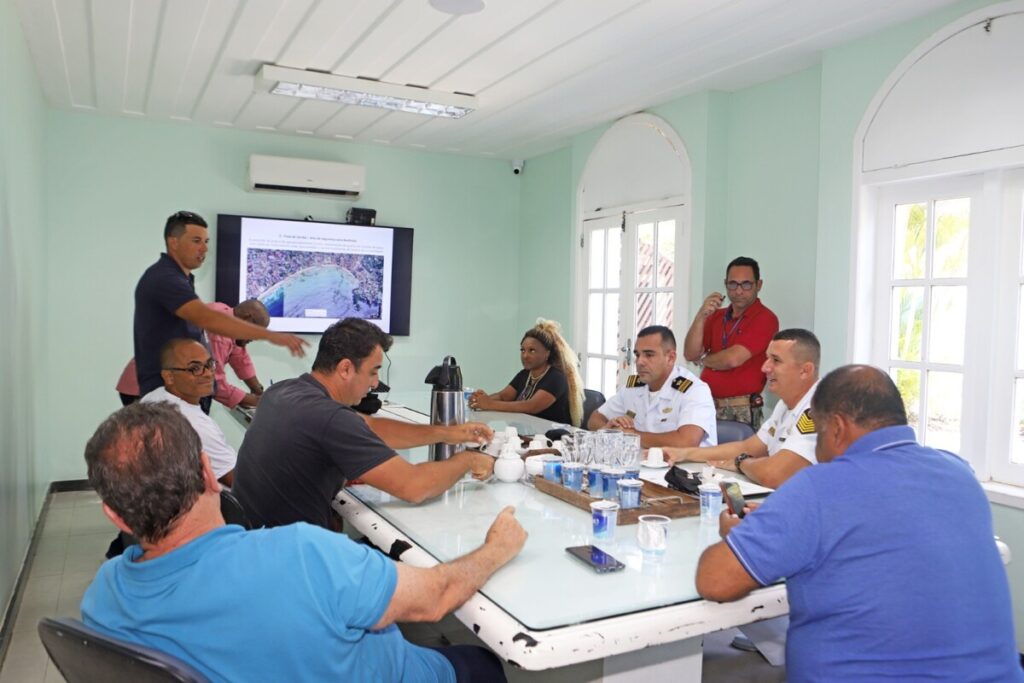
x=739, y=461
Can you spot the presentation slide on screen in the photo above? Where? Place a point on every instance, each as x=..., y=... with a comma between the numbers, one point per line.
x=309, y=275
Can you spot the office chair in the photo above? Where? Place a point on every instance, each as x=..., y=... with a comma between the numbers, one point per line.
x=83, y=655
x=592, y=400
x=730, y=430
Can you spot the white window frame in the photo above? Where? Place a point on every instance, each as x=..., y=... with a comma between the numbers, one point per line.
x=993, y=281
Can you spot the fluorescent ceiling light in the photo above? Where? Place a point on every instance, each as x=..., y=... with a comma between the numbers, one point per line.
x=365, y=92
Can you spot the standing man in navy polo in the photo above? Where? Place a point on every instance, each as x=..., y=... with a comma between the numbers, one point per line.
x=730, y=343
x=167, y=307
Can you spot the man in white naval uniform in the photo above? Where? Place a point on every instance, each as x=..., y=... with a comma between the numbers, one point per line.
x=666, y=404
x=785, y=443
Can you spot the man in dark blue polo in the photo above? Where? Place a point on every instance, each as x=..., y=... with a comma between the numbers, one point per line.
x=167, y=307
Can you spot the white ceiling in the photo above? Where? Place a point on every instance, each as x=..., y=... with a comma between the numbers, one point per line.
x=543, y=70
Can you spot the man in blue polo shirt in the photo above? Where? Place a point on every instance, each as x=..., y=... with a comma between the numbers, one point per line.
x=294, y=603
x=167, y=307
x=887, y=551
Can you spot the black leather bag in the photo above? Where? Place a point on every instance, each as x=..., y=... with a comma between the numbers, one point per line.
x=681, y=480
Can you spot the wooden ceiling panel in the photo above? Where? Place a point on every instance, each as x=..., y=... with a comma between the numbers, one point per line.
x=395, y=36
x=308, y=116
x=42, y=33
x=146, y=29
x=288, y=19
x=74, y=21
x=110, y=52
x=349, y=121
x=213, y=37
x=348, y=34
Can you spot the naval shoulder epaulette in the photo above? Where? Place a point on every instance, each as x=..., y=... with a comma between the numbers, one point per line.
x=682, y=384
x=634, y=381
x=805, y=425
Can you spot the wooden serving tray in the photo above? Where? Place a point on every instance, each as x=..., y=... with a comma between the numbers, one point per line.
x=672, y=503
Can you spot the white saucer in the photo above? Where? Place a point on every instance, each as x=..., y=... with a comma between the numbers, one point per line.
x=654, y=467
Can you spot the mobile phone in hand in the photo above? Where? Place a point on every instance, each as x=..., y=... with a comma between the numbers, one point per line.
x=733, y=498
x=597, y=559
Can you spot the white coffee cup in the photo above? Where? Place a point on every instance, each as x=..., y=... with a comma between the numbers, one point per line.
x=655, y=457
x=538, y=443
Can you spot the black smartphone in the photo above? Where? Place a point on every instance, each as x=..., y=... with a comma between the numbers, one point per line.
x=598, y=560
x=733, y=498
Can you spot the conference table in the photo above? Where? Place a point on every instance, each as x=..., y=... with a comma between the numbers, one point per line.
x=546, y=610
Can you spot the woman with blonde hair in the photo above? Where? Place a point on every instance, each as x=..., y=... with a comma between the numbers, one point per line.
x=549, y=384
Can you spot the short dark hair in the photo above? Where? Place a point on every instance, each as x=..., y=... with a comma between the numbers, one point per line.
x=862, y=393
x=169, y=351
x=144, y=463
x=176, y=222
x=351, y=338
x=807, y=345
x=744, y=261
x=667, y=338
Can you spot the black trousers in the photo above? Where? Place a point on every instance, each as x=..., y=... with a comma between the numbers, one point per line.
x=473, y=663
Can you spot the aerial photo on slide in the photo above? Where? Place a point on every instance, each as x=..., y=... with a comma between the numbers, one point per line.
x=303, y=284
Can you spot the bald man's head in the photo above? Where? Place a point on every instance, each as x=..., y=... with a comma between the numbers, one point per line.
x=863, y=394
x=253, y=311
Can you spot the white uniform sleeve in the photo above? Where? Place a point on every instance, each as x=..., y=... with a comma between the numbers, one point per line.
x=614, y=407
x=800, y=443
x=698, y=409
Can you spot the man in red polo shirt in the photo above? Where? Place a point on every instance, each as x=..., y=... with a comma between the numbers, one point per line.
x=730, y=343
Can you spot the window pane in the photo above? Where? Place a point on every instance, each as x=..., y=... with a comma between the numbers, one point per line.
x=594, y=317
x=611, y=324
x=1017, y=453
x=664, y=309
x=645, y=255
x=944, y=408
x=952, y=223
x=666, y=253
x=910, y=226
x=593, y=380
x=614, y=257
x=644, y=310
x=907, y=319
x=909, y=384
x=597, y=259
x=610, y=368
x=948, y=322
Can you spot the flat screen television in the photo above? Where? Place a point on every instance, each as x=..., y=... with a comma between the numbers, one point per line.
x=310, y=274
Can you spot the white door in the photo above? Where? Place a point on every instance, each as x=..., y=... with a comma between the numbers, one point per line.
x=633, y=275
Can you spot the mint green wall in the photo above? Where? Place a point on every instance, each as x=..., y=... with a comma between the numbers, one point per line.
x=112, y=182
x=1009, y=526
x=22, y=293
x=546, y=240
x=771, y=198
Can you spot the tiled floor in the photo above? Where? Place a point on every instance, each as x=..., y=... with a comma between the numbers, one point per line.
x=75, y=535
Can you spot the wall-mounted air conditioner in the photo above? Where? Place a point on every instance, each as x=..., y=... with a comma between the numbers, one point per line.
x=308, y=176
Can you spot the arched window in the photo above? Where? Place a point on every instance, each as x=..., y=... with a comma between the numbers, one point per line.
x=939, y=271
x=634, y=240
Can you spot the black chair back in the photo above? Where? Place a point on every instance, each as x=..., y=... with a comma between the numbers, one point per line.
x=232, y=510
x=730, y=430
x=83, y=655
x=592, y=400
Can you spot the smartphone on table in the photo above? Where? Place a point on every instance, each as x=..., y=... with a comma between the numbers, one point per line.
x=597, y=559
x=733, y=498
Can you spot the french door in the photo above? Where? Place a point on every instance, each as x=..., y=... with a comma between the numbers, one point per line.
x=633, y=275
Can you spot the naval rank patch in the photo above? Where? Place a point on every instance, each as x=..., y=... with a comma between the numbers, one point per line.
x=682, y=384
x=805, y=425
x=634, y=381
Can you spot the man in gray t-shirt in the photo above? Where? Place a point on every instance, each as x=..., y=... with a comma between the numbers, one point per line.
x=306, y=441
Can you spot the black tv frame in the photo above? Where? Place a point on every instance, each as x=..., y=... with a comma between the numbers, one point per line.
x=229, y=242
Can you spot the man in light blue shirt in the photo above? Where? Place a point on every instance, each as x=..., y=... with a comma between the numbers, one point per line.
x=293, y=603
x=887, y=551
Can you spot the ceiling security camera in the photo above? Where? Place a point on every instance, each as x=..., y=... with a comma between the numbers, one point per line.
x=517, y=166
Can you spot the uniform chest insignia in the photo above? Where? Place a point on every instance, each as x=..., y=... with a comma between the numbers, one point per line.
x=682, y=384
x=630, y=414
x=634, y=381
x=805, y=425
x=667, y=410
x=771, y=431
